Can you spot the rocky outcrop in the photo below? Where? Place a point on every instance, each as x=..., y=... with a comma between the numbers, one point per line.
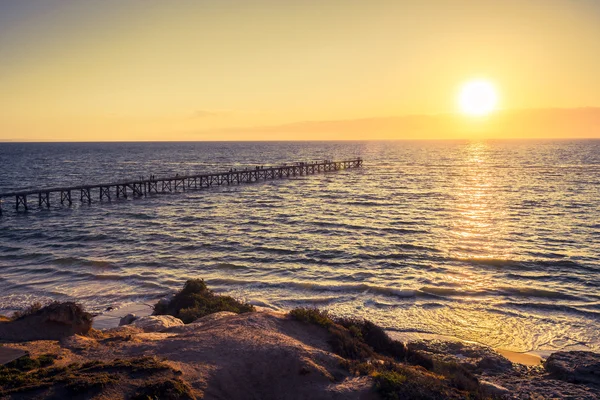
x=474, y=357
x=572, y=375
x=214, y=317
x=157, y=323
x=52, y=322
x=574, y=366
x=273, y=356
x=207, y=319
x=127, y=319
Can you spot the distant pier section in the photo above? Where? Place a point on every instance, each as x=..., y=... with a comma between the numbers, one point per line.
x=43, y=198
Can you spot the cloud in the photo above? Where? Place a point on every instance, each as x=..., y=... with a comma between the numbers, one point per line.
x=210, y=113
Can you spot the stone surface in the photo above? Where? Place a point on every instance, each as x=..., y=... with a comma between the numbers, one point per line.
x=574, y=366
x=493, y=389
x=246, y=356
x=128, y=319
x=201, y=322
x=156, y=323
x=475, y=357
x=8, y=354
x=215, y=316
x=506, y=380
x=112, y=318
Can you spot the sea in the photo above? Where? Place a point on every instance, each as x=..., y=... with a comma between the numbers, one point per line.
x=496, y=242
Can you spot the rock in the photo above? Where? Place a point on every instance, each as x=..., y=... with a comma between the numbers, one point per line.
x=53, y=322
x=200, y=322
x=493, y=389
x=156, y=323
x=574, y=366
x=494, y=363
x=215, y=316
x=476, y=358
x=128, y=319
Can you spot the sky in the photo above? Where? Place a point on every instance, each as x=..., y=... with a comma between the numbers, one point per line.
x=86, y=70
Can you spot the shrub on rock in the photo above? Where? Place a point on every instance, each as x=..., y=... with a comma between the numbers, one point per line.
x=195, y=300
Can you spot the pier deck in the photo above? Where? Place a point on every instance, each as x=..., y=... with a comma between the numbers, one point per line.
x=156, y=185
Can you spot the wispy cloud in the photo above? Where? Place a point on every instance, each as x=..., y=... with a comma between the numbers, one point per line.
x=210, y=113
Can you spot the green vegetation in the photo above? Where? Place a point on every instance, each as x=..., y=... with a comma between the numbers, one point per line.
x=312, y=316
x=170, y=389
x=195, y=300
x=352, y=338
x=27, y=363
x=29, y=376
x=389, y=384
x=398, y=372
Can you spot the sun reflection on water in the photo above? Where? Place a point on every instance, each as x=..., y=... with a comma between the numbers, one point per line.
x=477, y=207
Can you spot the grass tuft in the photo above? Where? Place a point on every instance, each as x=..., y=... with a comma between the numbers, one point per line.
x=389, y=384
x=26, y=375
x=312, y=316
x=398, y=372
x=170, y=389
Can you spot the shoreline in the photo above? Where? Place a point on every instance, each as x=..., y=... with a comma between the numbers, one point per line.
x=222, y=348
x=110, y=319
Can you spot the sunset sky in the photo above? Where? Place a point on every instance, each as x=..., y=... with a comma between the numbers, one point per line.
x=86, y=70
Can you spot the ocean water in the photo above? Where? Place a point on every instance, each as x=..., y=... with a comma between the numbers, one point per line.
x=491, y=241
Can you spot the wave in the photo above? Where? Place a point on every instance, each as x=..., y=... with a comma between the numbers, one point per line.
x=229, y=266
x=552, y=307
x=317, y=287
x=553, y=265
x=535, y=292
x=314, y=301
x=414, y=247
x=502, y=290
x=82, y=261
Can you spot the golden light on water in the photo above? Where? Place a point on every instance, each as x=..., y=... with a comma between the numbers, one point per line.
x=478, y=98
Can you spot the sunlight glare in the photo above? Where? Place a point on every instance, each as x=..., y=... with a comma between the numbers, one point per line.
x=477, y=98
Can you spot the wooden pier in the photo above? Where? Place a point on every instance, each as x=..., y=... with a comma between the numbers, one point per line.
x=156, y=185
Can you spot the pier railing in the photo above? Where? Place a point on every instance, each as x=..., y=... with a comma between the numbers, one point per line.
x=156, y=185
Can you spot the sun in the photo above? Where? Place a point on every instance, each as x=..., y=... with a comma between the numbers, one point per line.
x=477, y=98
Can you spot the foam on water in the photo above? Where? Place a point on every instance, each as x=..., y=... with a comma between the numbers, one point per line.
x=495, y=242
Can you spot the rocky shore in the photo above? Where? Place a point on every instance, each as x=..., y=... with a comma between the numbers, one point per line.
x=228, y=350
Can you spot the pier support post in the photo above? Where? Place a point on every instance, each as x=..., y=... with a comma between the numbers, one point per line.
x=21, y=200
x=44, y=198
x=122, y=190
x=65, y=195
x=85, y=195
x=104, y=192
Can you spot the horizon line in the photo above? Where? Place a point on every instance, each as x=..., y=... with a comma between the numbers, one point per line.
x=18, y=141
